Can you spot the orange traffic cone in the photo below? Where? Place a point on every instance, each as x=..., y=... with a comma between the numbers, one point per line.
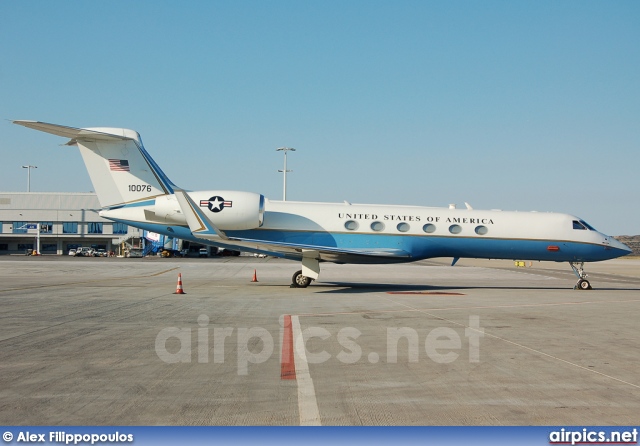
x=179, y=289
x=255, y=276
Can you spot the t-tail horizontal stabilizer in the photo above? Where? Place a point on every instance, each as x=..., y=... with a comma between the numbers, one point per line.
x=121, y=170
x=199, y=225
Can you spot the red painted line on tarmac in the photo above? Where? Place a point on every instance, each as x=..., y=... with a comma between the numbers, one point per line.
x=287, y=363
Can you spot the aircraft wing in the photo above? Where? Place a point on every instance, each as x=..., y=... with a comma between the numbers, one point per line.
x=298, y=248
x=198, y=223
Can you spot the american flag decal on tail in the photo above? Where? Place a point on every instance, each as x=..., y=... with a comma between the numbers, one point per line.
x=119, y=165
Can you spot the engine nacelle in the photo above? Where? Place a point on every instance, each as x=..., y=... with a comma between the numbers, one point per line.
x=167, y=209
x=231, y=210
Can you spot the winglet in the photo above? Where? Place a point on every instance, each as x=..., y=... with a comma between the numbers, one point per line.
x=198, y=223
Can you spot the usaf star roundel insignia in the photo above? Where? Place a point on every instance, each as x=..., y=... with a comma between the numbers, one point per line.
x=216, y=204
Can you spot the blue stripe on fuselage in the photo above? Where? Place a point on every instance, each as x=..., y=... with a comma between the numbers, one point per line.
x=420, y=247
x=132, y=205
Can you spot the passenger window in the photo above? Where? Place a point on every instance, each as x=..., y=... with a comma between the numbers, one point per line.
x=377, y=226
x=429, y=228
x=351, y=225
x=578, y=225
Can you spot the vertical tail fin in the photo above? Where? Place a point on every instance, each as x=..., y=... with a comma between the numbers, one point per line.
x=121, y=170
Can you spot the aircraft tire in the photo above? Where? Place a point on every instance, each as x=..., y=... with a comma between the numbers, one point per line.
x=584, y=285
x=300, y=281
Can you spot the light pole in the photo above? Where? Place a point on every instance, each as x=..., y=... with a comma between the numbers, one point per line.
x=29, y=167
x=284, y=171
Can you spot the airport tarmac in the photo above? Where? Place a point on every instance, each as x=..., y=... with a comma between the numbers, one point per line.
x=104, y=341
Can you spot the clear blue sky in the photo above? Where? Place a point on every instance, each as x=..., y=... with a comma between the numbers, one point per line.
x=504, y=104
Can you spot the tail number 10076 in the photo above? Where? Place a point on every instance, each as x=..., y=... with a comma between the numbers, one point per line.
x=139, y=188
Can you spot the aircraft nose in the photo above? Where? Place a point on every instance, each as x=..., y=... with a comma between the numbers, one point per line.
x=621, y=248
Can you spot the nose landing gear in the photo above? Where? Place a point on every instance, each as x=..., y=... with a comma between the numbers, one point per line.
x=578, y=270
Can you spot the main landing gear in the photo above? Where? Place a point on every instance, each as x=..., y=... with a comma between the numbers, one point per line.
x=578, y=270
x=310, y=269
x=300, y=281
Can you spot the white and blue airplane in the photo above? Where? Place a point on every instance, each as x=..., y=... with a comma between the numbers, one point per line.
x=132, y=189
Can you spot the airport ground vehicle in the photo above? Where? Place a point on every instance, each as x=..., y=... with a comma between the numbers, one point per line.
x=204, y=252
x=171, y=253
x=135, y=252
x=84, y=251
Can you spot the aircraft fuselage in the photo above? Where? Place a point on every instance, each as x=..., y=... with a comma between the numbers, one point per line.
x=403, y=233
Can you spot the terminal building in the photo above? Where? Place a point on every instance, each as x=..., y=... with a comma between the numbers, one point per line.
x=65, y=221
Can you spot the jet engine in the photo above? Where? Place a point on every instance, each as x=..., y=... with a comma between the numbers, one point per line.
x=167, y=210
x=230, y=210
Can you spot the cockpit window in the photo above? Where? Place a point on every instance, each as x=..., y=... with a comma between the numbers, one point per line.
x=587, y=225
x=578, y=225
